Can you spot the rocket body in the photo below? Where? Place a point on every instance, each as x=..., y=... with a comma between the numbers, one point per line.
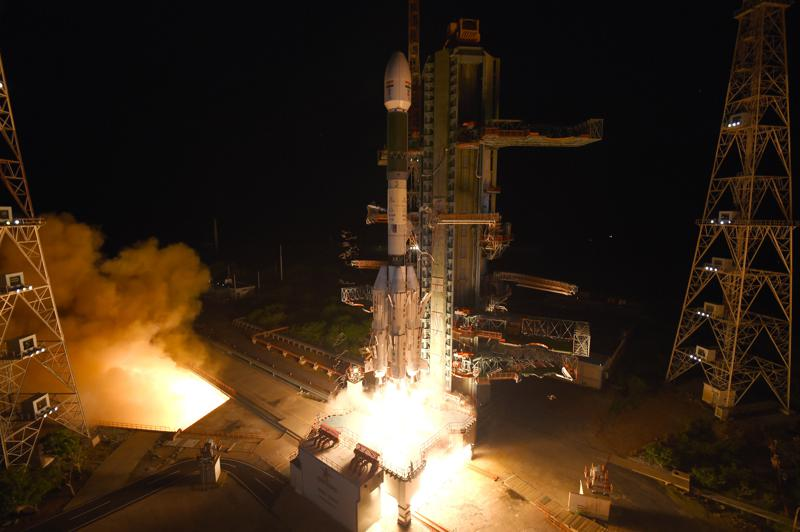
x=396, y=322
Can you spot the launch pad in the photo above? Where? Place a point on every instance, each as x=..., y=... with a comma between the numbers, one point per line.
x=396, y=441
x=406, y=441
x=427, y=343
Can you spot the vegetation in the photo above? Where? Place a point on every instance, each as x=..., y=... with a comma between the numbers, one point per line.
x=270, y=316
x=69, y=453
x=23, y=489
x=328, y=323
x=734, y=462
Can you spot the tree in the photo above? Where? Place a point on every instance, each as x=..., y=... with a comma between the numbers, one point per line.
x=21, y=487
x=66, y=446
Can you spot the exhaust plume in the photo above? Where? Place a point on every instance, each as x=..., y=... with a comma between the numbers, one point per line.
x=127, y=321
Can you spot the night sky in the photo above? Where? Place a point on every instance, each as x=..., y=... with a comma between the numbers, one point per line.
x=149, y=119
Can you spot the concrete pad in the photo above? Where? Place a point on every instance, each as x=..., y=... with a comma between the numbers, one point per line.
x=116, y=470
x=469, y=501
x=232, y=418
x=294, y=411
x=277, y=453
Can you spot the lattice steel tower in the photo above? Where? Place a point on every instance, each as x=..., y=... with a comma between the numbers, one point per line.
x=30, y=331
x=736, y=320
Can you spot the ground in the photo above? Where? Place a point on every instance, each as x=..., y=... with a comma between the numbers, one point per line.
x=545, y=442
x=183, y=508
x=548, y=442
x=115, y=471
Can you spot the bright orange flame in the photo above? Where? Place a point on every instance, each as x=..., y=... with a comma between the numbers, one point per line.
x=404, y=422
x=438, y=469
x=142, y=385
x=191, y=397
x=395, y=421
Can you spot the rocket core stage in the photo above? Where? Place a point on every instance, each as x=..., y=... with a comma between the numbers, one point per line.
x=396, y=325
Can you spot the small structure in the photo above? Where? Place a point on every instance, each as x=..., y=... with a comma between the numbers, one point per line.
x=37, y=406
x=343, y=481
x=21, y=348
x=14, y=283
x=210, y=470
x=594, y=498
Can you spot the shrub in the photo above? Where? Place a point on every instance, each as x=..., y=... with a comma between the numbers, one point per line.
x=21, y=487
x=707, y=477
x=659, y=454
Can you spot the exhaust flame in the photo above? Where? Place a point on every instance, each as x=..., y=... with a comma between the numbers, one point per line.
x=127, y=323
x=396, y=421
x=439, y=468
x=166, y=394
x=408, y=424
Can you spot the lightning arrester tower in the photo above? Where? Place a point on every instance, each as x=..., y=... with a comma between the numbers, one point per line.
x=736, y=321
x=30, y=331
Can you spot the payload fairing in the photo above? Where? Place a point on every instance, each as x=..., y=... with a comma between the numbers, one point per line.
x=396, y=324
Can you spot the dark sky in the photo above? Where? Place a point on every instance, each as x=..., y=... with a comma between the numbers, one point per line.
x=150, y=118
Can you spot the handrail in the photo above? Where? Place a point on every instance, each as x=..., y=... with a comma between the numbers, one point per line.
x=134, y=426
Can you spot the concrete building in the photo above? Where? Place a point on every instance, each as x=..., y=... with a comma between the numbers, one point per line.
x=344, y=482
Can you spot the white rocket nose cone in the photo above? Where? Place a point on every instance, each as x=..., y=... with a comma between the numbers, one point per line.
x=397, y=83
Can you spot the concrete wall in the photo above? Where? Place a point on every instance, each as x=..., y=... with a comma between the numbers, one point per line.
x=369, y=506
x=590, y=375
x=325, y=487
x=589, y=505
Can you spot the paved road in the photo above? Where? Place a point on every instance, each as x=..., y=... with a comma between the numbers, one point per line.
x=262, y=485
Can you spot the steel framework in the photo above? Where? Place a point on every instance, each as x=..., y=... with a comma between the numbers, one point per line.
x=537, y=283
x=357, y=296
x=578, y=332
x=19, y=429
x=747, y=215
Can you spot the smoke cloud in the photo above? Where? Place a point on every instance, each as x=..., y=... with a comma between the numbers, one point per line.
x=127, y=321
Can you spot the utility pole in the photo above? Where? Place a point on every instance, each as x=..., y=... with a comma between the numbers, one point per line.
x=280, y=260
x=25, y=293
x=744, y=249
x=216, y=237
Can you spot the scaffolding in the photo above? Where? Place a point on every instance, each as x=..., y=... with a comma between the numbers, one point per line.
x=577, y=332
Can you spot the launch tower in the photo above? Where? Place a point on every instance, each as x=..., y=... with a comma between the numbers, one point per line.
x=736, y=320
x=459, y=228
x=455, y=228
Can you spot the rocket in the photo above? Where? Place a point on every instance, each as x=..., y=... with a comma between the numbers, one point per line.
x=396, y=319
